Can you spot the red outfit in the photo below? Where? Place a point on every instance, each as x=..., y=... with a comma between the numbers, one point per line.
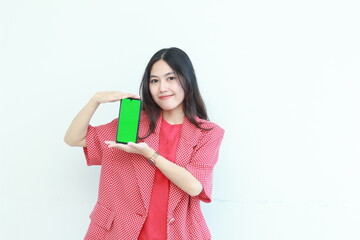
x=155, y=224
x=126, y=182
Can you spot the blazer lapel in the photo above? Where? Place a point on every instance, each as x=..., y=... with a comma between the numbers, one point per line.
x=144, y=172
x=190, y=136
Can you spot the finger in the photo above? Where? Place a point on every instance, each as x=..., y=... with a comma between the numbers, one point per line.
x=131, y=95
x=119, y=146
x=117, y=96
x=111, y=143
x=135, y=96
x=136, y=146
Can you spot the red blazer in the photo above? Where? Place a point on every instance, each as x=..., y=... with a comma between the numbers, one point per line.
x=126, y=182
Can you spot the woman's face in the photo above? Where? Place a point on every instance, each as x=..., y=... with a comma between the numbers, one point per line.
x=165, y=87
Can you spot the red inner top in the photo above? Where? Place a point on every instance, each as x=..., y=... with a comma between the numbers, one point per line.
x=155, y=227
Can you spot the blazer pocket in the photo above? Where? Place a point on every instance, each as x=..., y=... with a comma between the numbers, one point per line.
x=102, y=216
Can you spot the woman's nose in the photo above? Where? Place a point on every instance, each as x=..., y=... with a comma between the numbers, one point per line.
x=164, y=86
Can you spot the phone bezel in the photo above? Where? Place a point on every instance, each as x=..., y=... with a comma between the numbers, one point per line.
x=138, y=124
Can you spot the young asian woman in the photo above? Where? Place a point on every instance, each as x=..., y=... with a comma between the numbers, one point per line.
x=152, y=189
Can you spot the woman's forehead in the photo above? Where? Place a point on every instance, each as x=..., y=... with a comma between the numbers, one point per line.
x=161, y=68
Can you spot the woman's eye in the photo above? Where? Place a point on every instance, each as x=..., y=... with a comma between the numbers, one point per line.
x=153, y=80
x=171, y=78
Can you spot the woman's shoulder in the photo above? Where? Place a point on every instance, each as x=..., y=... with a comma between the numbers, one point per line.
x=206, y=125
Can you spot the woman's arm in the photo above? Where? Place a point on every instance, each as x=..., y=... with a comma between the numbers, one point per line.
x=176, y=174
x=76, y=133
x=180, y=176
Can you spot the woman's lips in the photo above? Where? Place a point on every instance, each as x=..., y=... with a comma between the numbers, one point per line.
x=165, y=97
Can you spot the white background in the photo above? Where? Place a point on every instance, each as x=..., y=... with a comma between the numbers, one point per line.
x=281, y=77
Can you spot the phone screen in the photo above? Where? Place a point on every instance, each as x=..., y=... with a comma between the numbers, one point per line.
x=129, y=117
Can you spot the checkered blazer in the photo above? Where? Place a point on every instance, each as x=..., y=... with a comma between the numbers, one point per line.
x=126, y=182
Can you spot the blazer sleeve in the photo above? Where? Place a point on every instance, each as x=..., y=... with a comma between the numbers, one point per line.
x=204, y=159
x=95, y=145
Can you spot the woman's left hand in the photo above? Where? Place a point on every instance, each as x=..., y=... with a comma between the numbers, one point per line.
x=139, y=148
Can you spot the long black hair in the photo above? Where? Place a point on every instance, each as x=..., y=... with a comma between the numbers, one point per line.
x=180, y=63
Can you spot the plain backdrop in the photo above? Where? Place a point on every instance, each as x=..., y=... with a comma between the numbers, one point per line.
x=281, y=77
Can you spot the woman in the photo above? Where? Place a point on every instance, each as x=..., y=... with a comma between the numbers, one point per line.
x=160, y=200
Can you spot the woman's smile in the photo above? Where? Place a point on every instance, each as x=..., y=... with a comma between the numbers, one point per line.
x=166, y=96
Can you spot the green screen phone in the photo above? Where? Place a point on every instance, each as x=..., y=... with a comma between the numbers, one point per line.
x=128, y=122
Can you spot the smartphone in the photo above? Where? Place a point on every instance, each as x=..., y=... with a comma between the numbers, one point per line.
x=128, y=121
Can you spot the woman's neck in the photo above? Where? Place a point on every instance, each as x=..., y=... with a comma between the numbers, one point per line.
x=173, y=117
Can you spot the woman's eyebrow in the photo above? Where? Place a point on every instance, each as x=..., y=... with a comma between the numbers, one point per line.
x=169, y=73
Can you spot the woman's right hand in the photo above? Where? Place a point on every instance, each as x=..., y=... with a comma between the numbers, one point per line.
x=112, y=96
x=76, y=133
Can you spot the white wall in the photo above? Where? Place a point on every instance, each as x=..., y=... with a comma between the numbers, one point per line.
x=282, y=78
